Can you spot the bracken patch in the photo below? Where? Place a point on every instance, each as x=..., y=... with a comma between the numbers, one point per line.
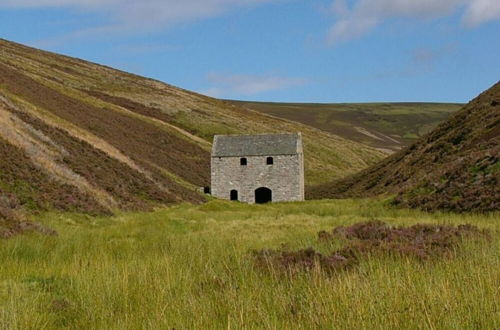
x=11, y=222
x=306, y=259
x=422, y=242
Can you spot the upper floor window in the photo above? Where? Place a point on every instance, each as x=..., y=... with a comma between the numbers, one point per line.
x=269, y=161
x=243, y=161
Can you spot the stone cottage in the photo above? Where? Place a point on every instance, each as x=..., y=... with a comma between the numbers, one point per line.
x=258, y=168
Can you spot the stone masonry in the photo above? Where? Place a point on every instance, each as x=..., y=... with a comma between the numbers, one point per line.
x=258, y=168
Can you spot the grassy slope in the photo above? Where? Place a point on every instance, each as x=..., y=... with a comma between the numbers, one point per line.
x=388, y=126
x=191, y=267
x=126, y=141
x=454, y=167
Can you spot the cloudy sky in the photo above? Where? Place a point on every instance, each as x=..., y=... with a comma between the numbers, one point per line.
x=278, y=50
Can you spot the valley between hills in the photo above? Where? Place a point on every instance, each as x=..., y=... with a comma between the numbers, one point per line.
x=103, y=224
x=78, y=136
x=249, y=164
x=388, y=127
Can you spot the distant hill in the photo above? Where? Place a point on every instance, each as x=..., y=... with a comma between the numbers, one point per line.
x=455, y=167
x=387, y=126
x=83, y=137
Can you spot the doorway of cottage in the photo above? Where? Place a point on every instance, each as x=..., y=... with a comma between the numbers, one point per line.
x=233, y=195
x=263, y=195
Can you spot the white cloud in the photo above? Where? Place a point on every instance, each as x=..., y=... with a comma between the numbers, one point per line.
x=139, y=15
x=237, y=85
x=364, y=15
x=481, y=11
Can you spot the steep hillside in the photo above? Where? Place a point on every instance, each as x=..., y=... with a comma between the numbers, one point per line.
x=386, y=126
x=9, y=219
x=83, y=137
x=455, y=167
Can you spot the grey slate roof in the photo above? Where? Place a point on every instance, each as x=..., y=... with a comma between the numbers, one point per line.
x=256, y=145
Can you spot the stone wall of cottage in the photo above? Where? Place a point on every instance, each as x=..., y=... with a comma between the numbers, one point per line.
x=285, y=177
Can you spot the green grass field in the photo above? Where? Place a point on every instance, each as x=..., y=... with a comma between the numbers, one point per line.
x=188, y=267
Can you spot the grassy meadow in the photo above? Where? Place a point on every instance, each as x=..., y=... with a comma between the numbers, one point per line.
x=188, y=267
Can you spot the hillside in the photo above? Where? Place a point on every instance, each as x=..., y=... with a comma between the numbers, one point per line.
x=386, y=126
x=454, y=167
x=78, y=136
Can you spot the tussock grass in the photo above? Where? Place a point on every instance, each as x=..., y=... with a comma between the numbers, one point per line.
x=192, y=267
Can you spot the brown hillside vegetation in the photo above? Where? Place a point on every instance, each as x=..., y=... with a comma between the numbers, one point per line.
x=455, y=167
x=12, y=222
x=78, y=136
x=368, y=239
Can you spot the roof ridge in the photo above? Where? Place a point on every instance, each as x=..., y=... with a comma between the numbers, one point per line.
x=256, y=144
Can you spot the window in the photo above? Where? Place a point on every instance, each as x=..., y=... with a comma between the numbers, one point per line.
x=206, y=190
x=243, y=161
x=233, y=195
x=269, y=161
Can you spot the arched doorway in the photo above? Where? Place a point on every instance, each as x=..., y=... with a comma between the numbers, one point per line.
x=263, y=195
x=233, y=195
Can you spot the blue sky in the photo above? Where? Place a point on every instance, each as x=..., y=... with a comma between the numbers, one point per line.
x=278, y=50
